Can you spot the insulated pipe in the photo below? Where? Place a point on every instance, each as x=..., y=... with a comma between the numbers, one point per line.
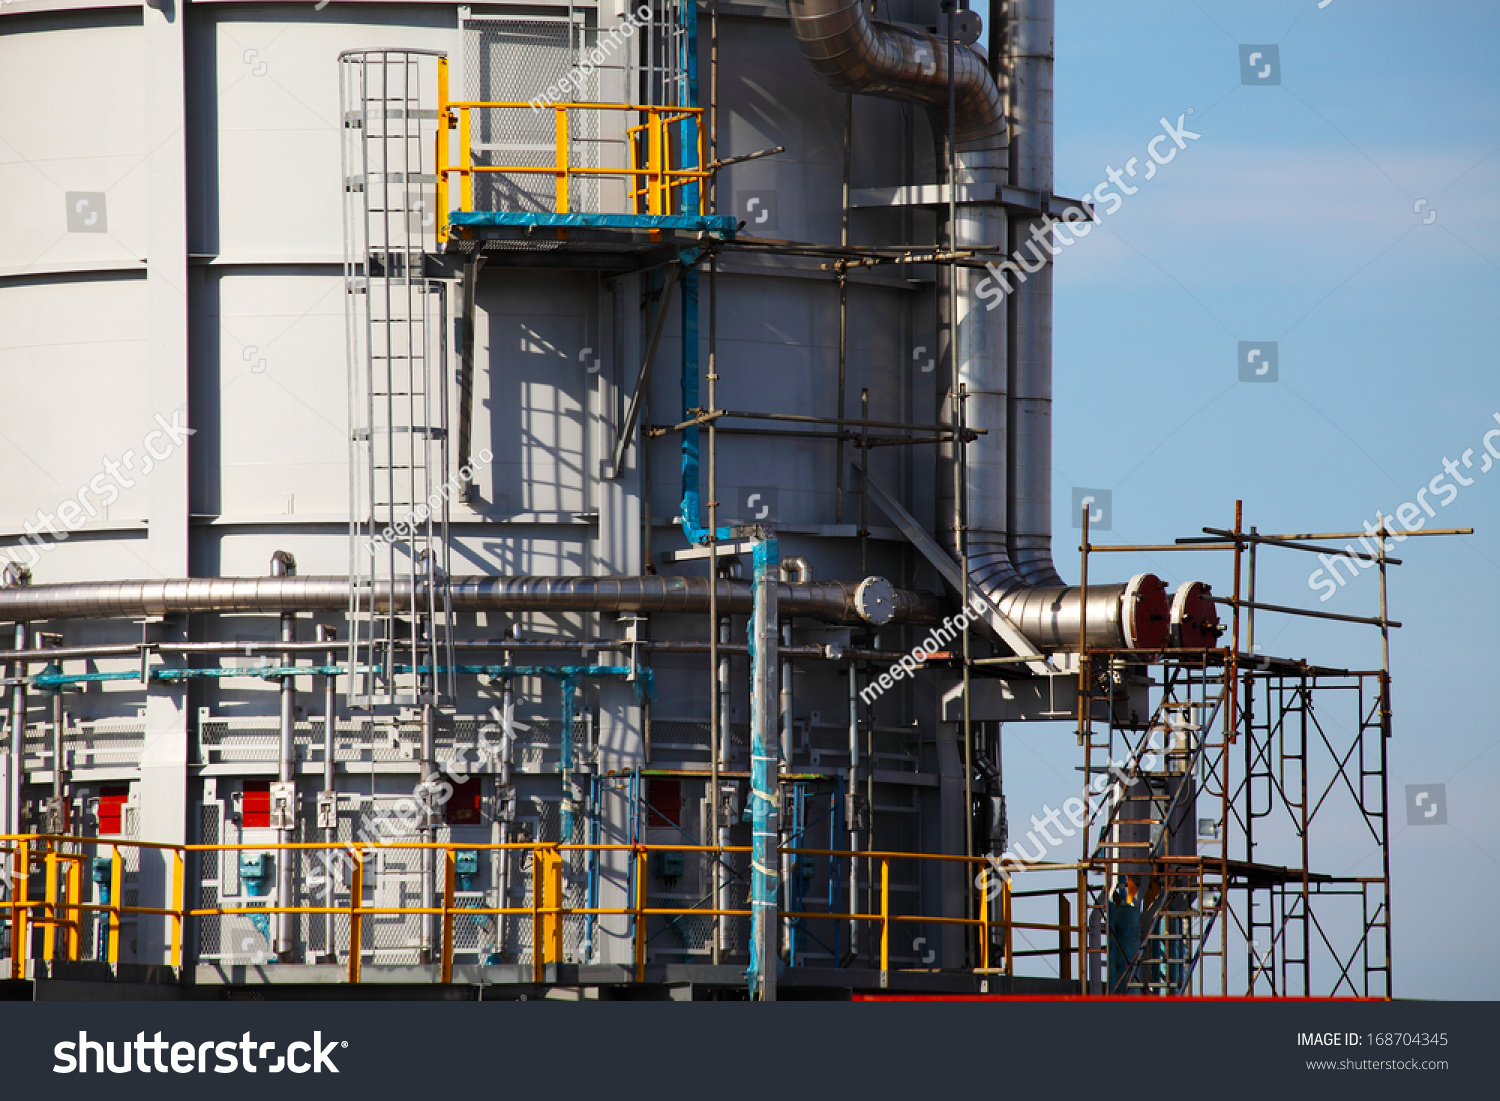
x=1029, y=59
x=832, y=601
x=847, y=50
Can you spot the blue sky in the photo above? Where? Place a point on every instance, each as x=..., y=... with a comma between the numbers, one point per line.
x=1303, y=215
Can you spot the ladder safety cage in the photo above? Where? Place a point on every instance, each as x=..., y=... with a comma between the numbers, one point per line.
x=400, y=609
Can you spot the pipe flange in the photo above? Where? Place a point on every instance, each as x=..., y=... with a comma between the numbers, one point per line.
x=875, y=601
x=1195, y=620
x=1145, y=612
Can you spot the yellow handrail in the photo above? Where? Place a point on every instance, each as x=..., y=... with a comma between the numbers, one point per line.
x=546, y=907
x=654, y=184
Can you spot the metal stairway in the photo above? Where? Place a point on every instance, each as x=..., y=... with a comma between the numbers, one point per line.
x=1174, y=901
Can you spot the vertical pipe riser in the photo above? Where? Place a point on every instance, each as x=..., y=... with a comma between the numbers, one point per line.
x=764, y=636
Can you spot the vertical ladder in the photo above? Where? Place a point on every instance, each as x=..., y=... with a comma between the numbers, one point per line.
x=400, y=647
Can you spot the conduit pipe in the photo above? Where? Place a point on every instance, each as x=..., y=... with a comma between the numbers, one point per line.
x=1009, y=566
x=17, y=747
x=797, y=570
x=329, y=794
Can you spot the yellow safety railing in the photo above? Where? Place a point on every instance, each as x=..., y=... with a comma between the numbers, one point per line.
x=656, y=177
x=545, y=910
x=49, y=914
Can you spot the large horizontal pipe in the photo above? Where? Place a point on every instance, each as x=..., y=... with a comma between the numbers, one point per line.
x=482, y=645
x=833, y=601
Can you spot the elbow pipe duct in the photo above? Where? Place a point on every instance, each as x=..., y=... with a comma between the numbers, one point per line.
x=847, y=50
x=1008, y=469
x=874, y=601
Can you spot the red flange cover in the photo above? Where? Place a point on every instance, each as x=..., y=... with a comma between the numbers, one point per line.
x=1147, y=613
x=1195, y=619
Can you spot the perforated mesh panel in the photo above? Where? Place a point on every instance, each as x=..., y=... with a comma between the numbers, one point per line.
x=209, y=863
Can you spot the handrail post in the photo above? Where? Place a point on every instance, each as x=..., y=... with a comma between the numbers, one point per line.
x=703, y=180
x=653, y=164
x=1064, y=938
x=984, y=919
x=19, y=867
x=449, y=902
x=178, y=906
x=537, y=876
x=356, y=899
x=640, y=915
x=1005, y=914
x=75, y=897
x=116, y=900
x=560, y=140
x=552, y=907
x=20, y=935
x=631, y=173
x=885, y=923
x=1083, y=938
x=440, y=155
x=466, y=161
x=49, y=907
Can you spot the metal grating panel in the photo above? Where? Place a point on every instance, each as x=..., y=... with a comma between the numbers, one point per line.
x=517, y=61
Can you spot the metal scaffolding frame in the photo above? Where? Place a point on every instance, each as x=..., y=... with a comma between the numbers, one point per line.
x=1186, y=864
